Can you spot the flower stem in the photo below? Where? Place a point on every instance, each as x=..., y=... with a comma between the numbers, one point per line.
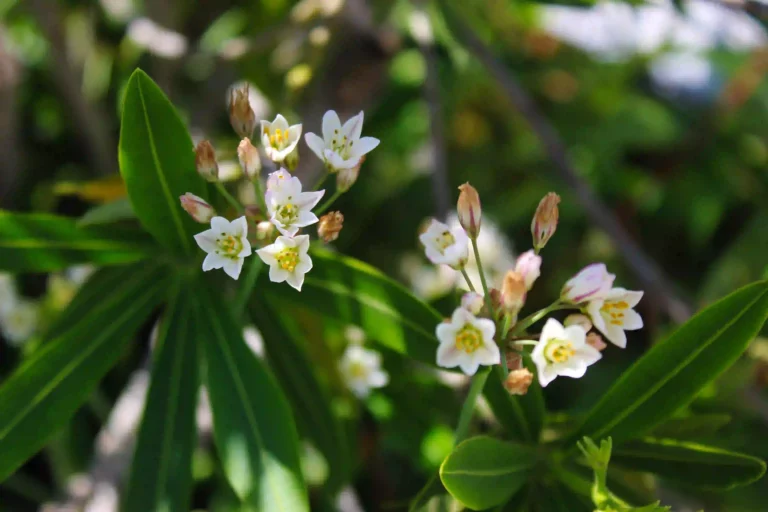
x=230, y=199
x=260, y=196
x=328, y=203
x=482, y=274
x=528, y=321
x=489, y=305
x=467, y=279
x=321, y=181
x=478, y=383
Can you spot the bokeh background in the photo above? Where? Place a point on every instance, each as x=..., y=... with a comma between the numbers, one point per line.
x=650, y=119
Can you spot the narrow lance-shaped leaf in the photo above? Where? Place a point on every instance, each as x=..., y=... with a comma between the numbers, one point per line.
x=252, y=424
x=108, y=213
x=161, y=473
x=41, y=396
x=158, y=164
x=35, y=242
x=673, y=372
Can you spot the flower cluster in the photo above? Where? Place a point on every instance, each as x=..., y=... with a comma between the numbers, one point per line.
x=283, y=207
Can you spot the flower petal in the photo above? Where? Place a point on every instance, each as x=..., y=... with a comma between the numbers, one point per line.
x=632, y=320
x=616, y=335
x=220, y=225
x=233, y=267
x=363, y=146
x=331, y=125
x=446, y=334
x=552, y=329
x=239, y=226
x=206, y=241
x=469, y=366
x=309, y=199
x=488, y=355
x=277, y=274
x=213, y=261
x=280, y=123
x=295, y=280
x=353, y=127
x=316, y=144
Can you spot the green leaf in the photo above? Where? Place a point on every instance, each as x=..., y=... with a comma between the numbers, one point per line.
x=158, y=164
x=690, y=463
x=352, y=292
x=693, y=426
x=161, y=473
x=521, y=416
x=107, y=213
x=41, y=396
x=311, y=405
x=484, y=472
x=34, y=242
x=252, y=423
x=671, y=374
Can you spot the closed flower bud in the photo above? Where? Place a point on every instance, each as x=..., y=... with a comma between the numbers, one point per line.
x=596, y=341
x=249, y=159
x=197, y=208
x=330, y=225
x=292, y=160
x=468, y=208
x=347, y=177
x=513, y=292
x=205, y=161
x=241, y=114
x=582, y=321
x=514, y=361
x=265, y=231
x=518, y=381
x=545, y=220
x=472, y=302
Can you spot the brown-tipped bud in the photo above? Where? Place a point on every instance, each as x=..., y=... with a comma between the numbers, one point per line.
x=292, y=160
x=545, y=219
x=582, y=321
x=347, y=177
x=330, y=225
x=249, y=159
x=513, y=292
x=241, y=114
x=514, y=361
x=518, y=381
x=205, y=161
x=197, y=208
x=596, y=341
x=496, y=301
x=469, y=210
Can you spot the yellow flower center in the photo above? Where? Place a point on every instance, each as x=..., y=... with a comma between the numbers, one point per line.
x=278, y=139
x=559, y=351
x=357, y=370
x=445, y=240
x=341, y=145
x=469, y=338
x=288, y=213
x=613, y=311
x=288, y=258
x=229, y=245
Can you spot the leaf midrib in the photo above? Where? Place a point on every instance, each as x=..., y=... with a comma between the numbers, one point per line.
x=508, y=470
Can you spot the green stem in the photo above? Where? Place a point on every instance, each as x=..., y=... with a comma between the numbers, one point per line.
x=528, y=321
x=467, y=279
x=482, y=275
x=321, y=181
x=478, y=383
x=328, y=203
x=260, y=195
x=230, y=199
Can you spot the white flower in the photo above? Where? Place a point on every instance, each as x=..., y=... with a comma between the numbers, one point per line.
x=276, y=179
x=472, y=302
x=226, y=244
x=8, y=293
x=19, y=322
x=591, y=283
x=361, y=370
x=528, y=265
x=613, y=314
x=289, y=208
x=466, y=341
x=563, y=351
x=495, y=253
x=278, y=138
x=443, y=244
x=341, y=147
x=287, y=259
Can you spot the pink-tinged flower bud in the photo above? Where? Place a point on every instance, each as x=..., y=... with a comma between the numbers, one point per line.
x=594, y=340
x=472, y=302
x=529, y=266
x=249, y=159
x=582, y=321
x=205, y=161
x=292, y=160
x=330, y=225
x=544, y=221
x=197, y=208
x=347, y=177
x=591, y=283
x=469, y=210
x=513, y=292
x=241, y=114
x=518, y=381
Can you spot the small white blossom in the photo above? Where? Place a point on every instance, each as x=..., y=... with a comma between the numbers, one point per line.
x=226, y=244
x=288, y=260
x=472, y=302
x=19, y=322
x=591, y=283
x=466, y=341
x=495, y=254
x=445, y=245
x=289, y=208
x=528, y=265
x=613, y=315
x=278, y=138
x=563, y=351
x=341, y=147
x=8, y=293
x=361, y=370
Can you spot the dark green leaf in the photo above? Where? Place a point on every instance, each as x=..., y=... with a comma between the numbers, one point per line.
x=252, y=423
x=41, y=396
x=158, y=164
x=671, y=374
x=521, y=416
x=107, y=213
x=161, y=473
x=34, y=242
x=693, y=426
x=690, y=463
x=483, y=472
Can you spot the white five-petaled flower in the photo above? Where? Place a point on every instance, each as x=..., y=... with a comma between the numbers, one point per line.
x=528, y=265
x=19, y=321
x=288, y=260
x=444, y=244
x=226, y=244
x=289, y=208
x=361, y=370
x=562, y=351
x=341, y=147
x=467, y=342
x=278, y=138
x=591, y=283
x=613, y=314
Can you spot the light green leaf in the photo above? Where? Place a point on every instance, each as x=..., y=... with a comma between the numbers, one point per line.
x=35, y=242
x=161, y=473
x=483, y=472
x=41, y=396
x=107, y=213
x=158, y=164
x=252, y=424
x=521, y=416
x=690, y=463
x=671, y=374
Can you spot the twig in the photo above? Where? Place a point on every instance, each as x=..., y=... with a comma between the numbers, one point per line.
x=641, y=264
